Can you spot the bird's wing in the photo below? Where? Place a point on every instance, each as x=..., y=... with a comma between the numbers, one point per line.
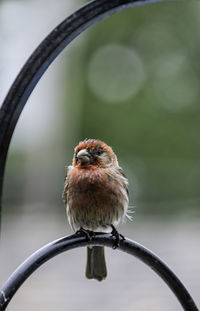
x=66, y=185
x=124, y=179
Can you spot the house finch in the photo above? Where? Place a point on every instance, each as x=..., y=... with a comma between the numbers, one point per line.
x=96, y=197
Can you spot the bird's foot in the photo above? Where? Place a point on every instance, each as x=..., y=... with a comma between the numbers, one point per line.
x=117, y=236
x=87, y=233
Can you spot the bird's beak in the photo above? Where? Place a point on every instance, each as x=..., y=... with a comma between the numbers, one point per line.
x=83, y=156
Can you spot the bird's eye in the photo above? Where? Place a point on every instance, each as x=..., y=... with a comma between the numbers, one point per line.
x=98, y=152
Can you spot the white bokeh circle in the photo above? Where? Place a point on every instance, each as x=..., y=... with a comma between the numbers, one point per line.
x=115, y=73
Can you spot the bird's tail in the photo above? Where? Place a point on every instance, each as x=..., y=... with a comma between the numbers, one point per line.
x=96, y=264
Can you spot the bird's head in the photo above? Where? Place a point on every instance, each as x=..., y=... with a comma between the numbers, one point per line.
x=94, y=153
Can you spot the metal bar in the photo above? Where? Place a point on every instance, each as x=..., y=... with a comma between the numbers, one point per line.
x=74, y=241
x=43, y=56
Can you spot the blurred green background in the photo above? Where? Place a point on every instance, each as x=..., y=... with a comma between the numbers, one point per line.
x=133, y=81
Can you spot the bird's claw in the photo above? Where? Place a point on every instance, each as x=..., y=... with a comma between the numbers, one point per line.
x=117, y=236
x=87, y=233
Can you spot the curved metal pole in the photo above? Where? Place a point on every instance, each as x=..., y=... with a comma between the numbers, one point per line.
x=74, y=241
x=43, y=56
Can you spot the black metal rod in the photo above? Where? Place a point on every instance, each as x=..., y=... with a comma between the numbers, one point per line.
x=43, y=56
x=74, y=241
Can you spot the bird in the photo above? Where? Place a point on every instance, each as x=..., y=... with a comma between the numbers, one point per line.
x=96, y=197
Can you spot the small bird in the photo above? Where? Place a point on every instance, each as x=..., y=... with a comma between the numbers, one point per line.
x=96, y=197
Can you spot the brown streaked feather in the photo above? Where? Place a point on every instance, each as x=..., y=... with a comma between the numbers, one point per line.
x=120, y=170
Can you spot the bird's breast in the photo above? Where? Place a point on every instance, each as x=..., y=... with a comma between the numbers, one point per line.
x=95, y=187
x=94, y=198
x=86, y=179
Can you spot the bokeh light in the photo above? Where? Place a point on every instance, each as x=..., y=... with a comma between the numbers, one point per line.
x=116, y=73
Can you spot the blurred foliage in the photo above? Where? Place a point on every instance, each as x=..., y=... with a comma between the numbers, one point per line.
x=151, y=53
x=133, y=81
